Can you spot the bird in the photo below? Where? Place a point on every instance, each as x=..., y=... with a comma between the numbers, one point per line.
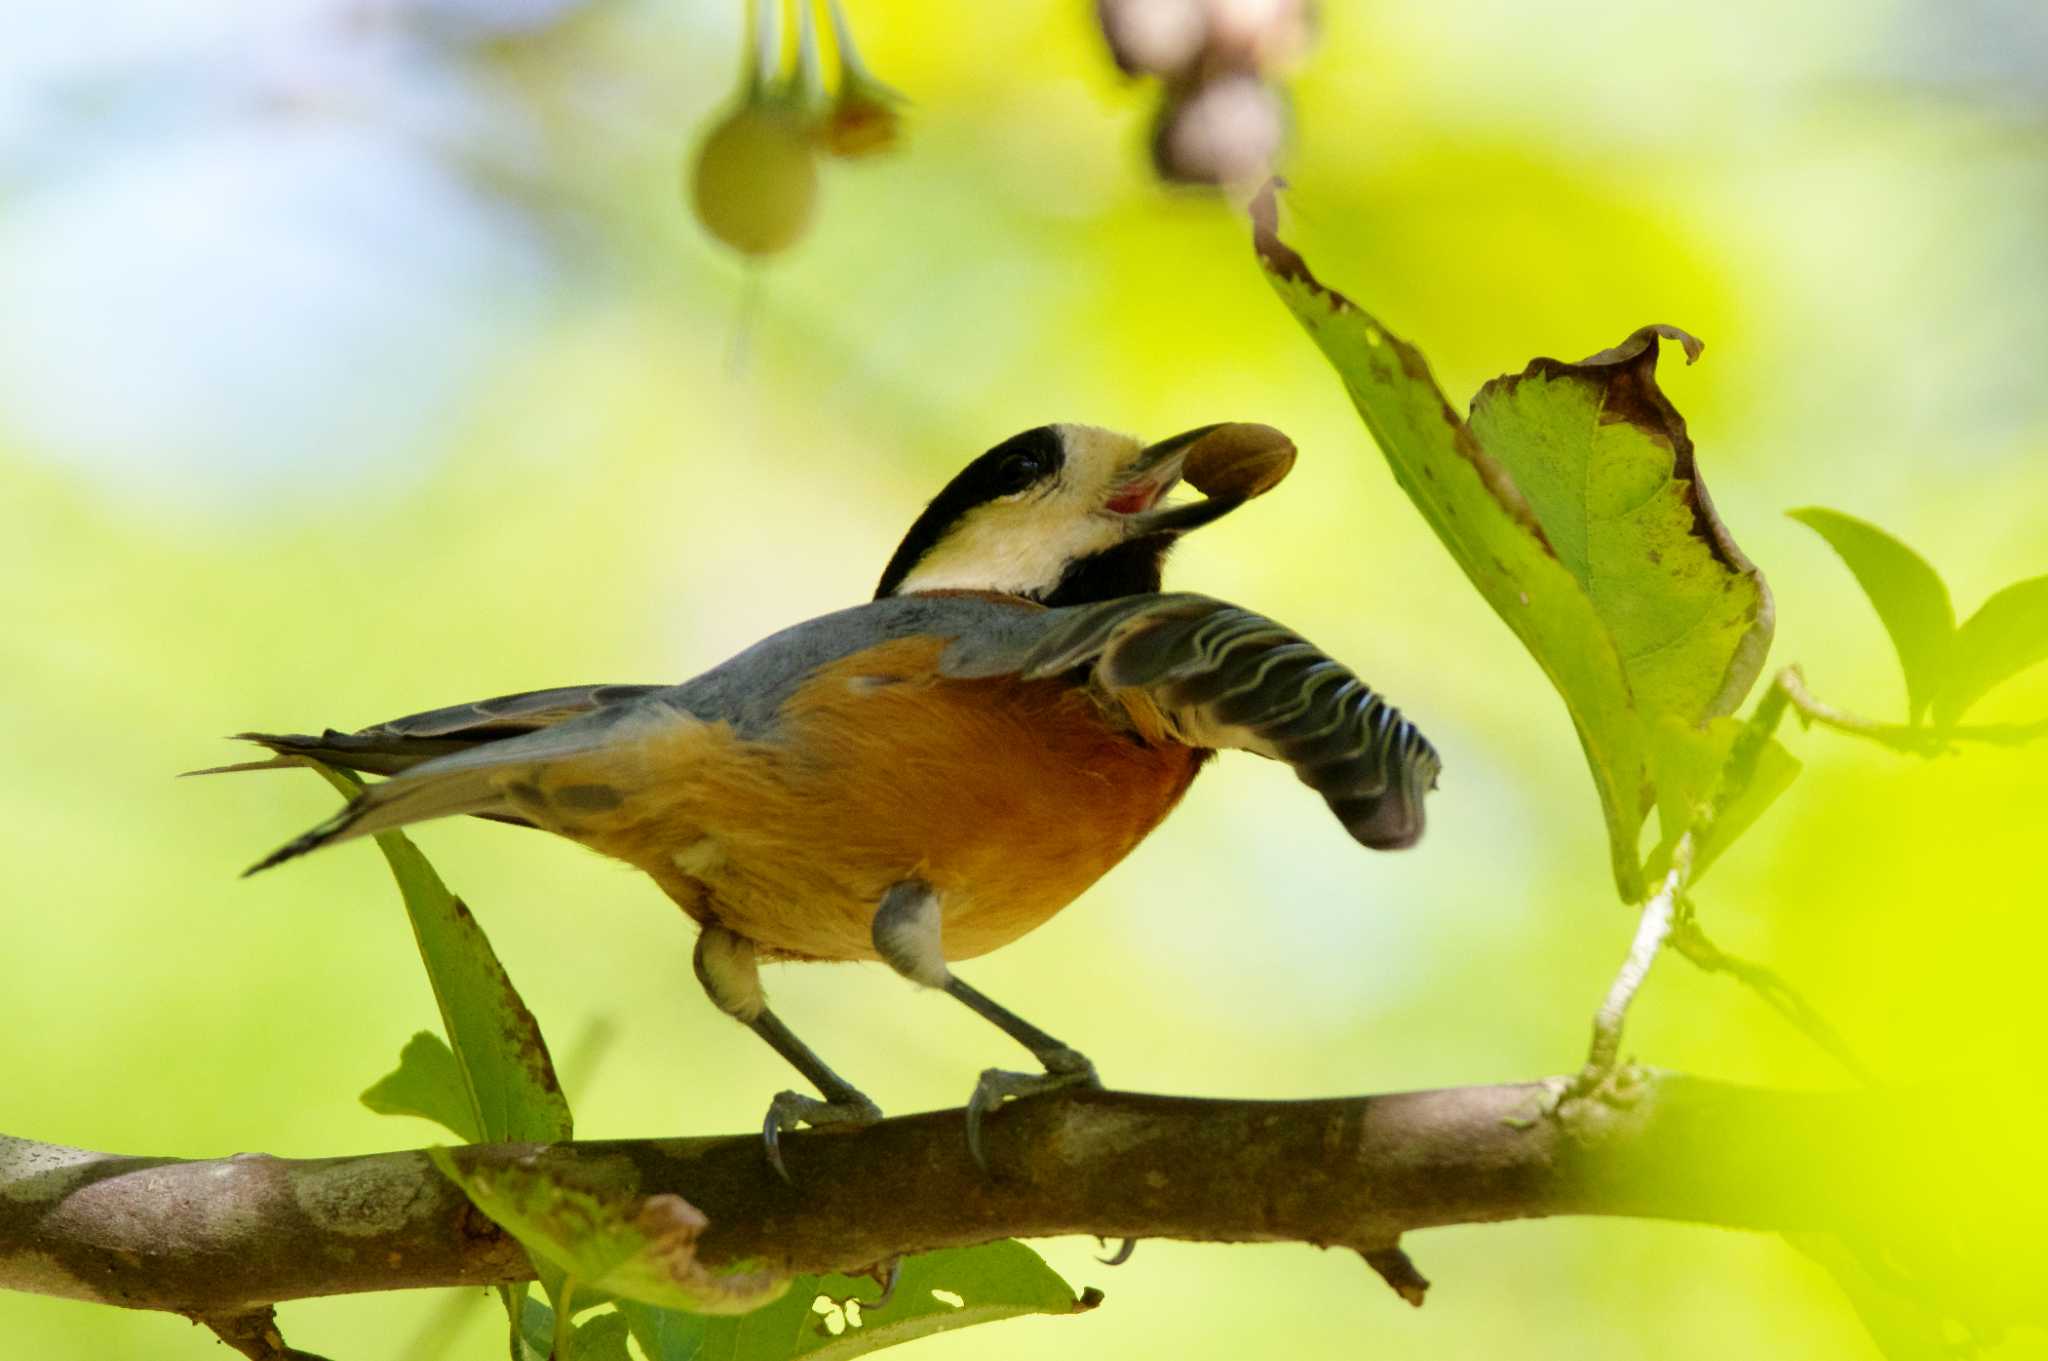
x=927, y=776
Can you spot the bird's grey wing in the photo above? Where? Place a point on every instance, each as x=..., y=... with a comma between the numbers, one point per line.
x=508, y=715
x=513, y=778
x=401, y=743
x=590, y=764
x=1221, y=676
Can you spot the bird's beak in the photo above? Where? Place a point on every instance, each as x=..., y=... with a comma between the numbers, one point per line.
x=1230, y=463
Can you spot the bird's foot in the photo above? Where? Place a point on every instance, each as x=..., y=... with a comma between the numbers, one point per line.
x=1063, y=1068
x=1121, y=1255
x=790, y=1109
x=888, y=1275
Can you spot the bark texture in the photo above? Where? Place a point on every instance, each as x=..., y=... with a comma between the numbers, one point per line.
x=218, y=1237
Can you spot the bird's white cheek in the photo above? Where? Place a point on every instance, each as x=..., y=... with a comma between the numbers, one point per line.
x=1020, y=553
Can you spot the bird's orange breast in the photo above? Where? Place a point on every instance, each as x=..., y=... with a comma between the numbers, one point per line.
x=1008, y=796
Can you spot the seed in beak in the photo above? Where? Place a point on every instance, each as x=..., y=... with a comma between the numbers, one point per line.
x=1238, y=461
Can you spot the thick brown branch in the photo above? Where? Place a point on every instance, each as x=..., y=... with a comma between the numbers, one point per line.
x=218, y=1237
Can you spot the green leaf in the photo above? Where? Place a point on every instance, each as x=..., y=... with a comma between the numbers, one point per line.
x=993, y=1282
x=1905, y=1324
x=1609, y=564
x=608, y=1237
x=1608, y=468
x=602, y=1338
x=1474, y=507
x=534, y=1337
x=426, y=1083
x=2008, y=634
x=1907, y=592
x=599, y=1338
x=507, y=1078
x=1694, y=770
x=505, y=1086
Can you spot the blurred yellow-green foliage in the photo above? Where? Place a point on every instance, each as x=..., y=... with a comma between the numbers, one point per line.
x=360, y=357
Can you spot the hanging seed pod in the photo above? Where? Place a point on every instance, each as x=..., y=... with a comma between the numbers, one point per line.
x=1259, y=36
x=1238, y=460
x=1154, y=37
x=1225, y=131
x=863, y=121
x=754, y=183
x=864, y=117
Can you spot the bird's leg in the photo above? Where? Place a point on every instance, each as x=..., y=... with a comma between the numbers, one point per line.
x=732, y=979
x=907, y=936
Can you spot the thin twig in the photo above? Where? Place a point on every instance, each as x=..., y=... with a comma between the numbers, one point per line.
x=253, y=1333
x=1914, y=740
x=1397, y=1269
x=1688, y=940
x=1653, y=928
x=1743, y=755
x=1787, y=689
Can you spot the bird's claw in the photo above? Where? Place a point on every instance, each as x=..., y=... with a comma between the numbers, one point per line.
x=1063, y=1068
x=790, y=1109
x=889, y=1275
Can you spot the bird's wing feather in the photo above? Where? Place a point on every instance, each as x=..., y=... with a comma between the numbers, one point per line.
x=1211, y=674
x=486, y=778
x=483, y=758
x=399, y=744
x=507, y=715
x=1221, y=676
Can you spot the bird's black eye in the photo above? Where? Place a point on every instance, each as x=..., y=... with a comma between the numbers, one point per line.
x=1018, y=471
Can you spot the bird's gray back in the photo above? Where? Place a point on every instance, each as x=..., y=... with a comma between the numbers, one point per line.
x=749, y=690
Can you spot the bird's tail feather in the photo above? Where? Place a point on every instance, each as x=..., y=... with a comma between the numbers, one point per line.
x=372, y=753
x=397, y=803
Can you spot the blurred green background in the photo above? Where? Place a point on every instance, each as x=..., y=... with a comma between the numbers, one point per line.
x=360, y=357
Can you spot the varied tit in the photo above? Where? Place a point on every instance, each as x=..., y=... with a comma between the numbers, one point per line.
x=928, y=776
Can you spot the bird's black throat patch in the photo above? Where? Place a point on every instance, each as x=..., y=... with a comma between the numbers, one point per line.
x=1134, y=567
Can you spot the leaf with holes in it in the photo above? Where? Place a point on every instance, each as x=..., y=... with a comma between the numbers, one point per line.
x=1608, y=468
x=2007, y=634
x=607, y=1236
x=1474, y=507
x=1609, y=563
x=601, y=1337
x=832, y=1318
x=1910, y=598
x=427, y=1083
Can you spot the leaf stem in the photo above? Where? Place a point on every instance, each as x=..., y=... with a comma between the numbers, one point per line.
x=809, y=77
x=1688, y=940
x=1668, y=918
x=565, y=1327
x=1911, y=739
x=842, y=40
x=763, y=41
x=1743, y=755
x=1653, y=928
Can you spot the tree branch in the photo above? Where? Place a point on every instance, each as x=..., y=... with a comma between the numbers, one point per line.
x=220, y=1237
